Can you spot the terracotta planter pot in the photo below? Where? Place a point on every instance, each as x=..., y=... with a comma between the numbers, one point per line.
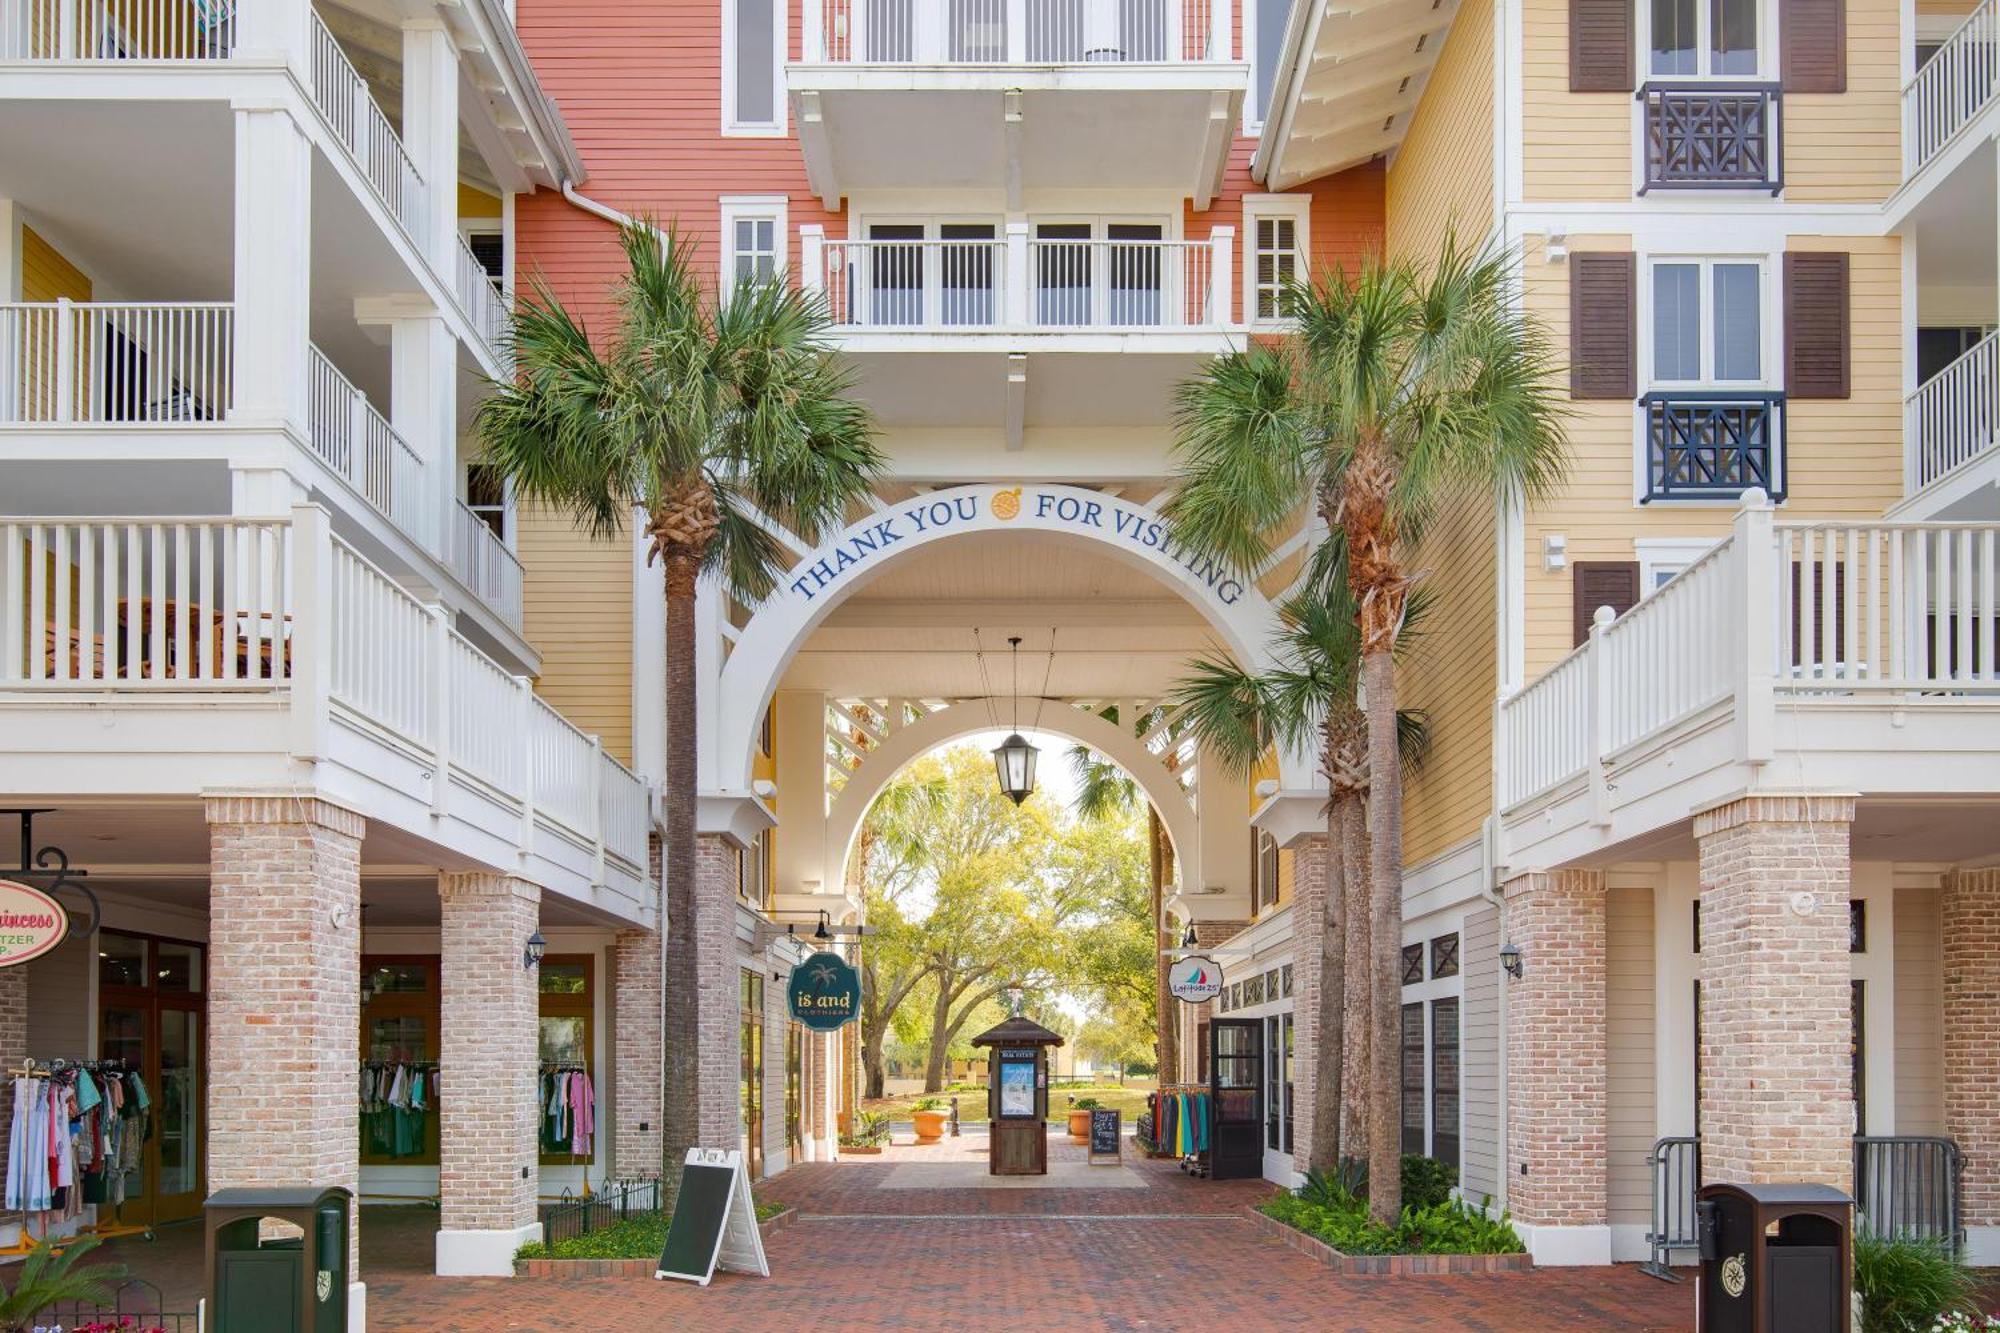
x=1079, y=1126
x=929, y=1124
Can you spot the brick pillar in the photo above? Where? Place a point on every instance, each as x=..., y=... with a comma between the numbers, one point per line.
x=1309, y=863
x=1776, y=1091
x=777, y=1021
x=1557, y=1139
x=487, y=1156
x=635, y=1057
x=1971, y=928
x=284, y=995
x=718, y=1111
x=13, y=1043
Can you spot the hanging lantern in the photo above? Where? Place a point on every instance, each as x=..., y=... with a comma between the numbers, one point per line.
x=1014, y=761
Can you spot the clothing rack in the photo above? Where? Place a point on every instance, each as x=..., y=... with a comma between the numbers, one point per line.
x=582, y=1067
x=1195, y=1163
x=116, y=1066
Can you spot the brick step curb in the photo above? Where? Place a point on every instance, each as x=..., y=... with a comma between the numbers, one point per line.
x=1388, y=1265
x=570, y=1269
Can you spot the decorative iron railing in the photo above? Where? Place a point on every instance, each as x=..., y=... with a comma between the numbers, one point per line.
x=1712, y=136
x=1713, y=445
x=1907, y=1187
x=617, y=1201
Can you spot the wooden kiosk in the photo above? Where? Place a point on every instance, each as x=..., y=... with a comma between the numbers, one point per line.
x=1017, y=1096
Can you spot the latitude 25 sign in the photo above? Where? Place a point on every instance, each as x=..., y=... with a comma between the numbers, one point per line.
x=1194, y=979
x=31, y=923
x=825, y=993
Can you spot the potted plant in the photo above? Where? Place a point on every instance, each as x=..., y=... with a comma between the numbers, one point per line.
x=1079, y=1117
x=868, y=1139
x=929, y=1116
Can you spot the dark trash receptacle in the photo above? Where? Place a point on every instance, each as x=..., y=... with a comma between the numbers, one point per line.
x=1774, y=1259
x=293, y=1284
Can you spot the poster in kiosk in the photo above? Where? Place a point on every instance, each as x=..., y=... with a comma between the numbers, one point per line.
x=1017, y=1097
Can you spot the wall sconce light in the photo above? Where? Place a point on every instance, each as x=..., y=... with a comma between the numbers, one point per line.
x=1555, y=552
x=821, y=935
x=1188, y=940
x=1556, y=246
x=1510, y=959
x=531, y=957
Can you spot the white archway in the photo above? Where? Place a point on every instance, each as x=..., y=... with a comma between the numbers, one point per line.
x=969, y=717
x=1132, y=533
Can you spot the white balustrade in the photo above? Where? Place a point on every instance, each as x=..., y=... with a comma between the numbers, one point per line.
x=353, y=439
x=563, y=759
x=916, y=284
x=627, y=805
x=1952, y=87
x=995, y=32
x=1121, y=284
x=381, y=649
x=112, y=363
x=1672, y=654
x=145, y=603
x=343, y=97
x=151, y=30
x=484, y=564
x=481, y=694
x=1546, y=728
x=483, y=303
x=1950, y=420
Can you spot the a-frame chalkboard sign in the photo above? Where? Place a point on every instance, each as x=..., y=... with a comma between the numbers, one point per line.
x=714, y=1224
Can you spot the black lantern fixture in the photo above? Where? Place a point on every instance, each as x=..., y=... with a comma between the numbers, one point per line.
x=1014, y=761
x=821, y=935
x=1188, y=940
x=531, y=957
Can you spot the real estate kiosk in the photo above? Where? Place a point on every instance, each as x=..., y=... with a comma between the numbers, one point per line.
x=1017, y=1097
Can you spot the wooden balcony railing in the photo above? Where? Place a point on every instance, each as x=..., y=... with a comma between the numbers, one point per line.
x=1713, y=444
x=1712, y=136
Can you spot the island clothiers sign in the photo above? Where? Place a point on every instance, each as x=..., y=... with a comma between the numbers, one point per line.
x=31, y=923
x=825, y=992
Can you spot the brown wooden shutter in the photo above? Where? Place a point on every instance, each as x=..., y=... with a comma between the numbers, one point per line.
x=1603, y=324
x=1595, y=583
x=1816, y=324
x=1600, y=46
x=1812, y=45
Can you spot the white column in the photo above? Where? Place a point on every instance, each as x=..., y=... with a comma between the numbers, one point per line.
x=273, y=257
x=1014, y=272
x=276, y=30
x=10, y=251
x=649, y=659
x=423, y=408
x=1222, y=276
x=430, y=134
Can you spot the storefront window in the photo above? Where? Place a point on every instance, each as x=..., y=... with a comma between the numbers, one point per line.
x=121, y=960
x=1413, y=1078
x=566, y=984
x=177, y=967
x=1444, y=1080
x=399, y=1053
x=750, y=1093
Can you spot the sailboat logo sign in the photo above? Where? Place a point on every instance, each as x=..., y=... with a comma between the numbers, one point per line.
x=1194, y=979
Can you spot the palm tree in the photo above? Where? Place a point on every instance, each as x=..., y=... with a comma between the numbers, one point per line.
x=1404, y=389
x=712, y=416
x=1310, y=698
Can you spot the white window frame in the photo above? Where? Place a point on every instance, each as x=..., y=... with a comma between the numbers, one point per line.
x=1246, y=18
x=1660, y=558
x=1767, y=46
x=1768, y=320
x=751, y=208
x=1425, y=992
x=779, y=126
x=1295, y=208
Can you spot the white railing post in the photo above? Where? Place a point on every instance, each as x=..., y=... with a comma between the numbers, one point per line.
x=1755, y=544
x=1221, y=271
x=812, y=30
x=597, y=810
x=927, y=36
x=1014, y=273
x=65, y=404
x=1017, y=32
x=1220, y=46
x=65, y=30
x=1597, y=716
x=812, y=251
x=312, y=638
x=440, y=707
x=524, y=695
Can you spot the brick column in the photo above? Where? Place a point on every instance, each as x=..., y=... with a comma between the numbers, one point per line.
x=1776, y=1098
x=1970, y=926
x=1557, y=1139
x=718, y=1111
x=777, y=1019
x=1309, y=862
x=635, y=1057
x=284, y=995
x=488, y=1172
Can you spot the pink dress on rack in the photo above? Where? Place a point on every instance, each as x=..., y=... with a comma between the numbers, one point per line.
x=582, y=1114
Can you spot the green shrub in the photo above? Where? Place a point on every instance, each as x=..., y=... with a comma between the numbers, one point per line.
x=1427, y=1181
x=1086, y=1104
x=1445, y=1227
x=928, y=1104
x=1341, y=1187
x=1906, y=1285
x=1450, y=1227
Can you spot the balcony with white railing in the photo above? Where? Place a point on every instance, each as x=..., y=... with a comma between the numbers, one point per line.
x=99, y=363
x=152, y=31
x=297, y=648
x=348, y=104
x=481, y=299
x=1952, y=88
x=484, y=563
x=1857, y=656
x=1016, y=32
x=1948, y=430
x=365, y=451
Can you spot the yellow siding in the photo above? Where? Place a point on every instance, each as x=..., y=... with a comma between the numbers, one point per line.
x=1443, y=173
x=1847, y=146
x=1948, y=8
x=474, y=202
x=1843, y=457
x=46, y=275
x=579, y=615
x=1450, y=673
x=1574, y=146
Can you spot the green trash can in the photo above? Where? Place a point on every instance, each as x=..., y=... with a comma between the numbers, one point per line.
x=285, y=1284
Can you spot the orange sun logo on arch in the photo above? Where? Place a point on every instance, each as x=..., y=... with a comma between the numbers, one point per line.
x=1007, y=503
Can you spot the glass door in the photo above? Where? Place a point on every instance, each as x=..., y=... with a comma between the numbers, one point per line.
x=152, y=1009
x=1236, y=1068
x=751, y=1092
x=794, y=1091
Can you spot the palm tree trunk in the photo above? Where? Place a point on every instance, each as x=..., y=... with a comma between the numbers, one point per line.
x=1329, y=1059
x=1385, y=875
x=680, y=1094
x=1357, y=1013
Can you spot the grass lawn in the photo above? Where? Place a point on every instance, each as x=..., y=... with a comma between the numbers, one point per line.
x=640, y=1237
x=1131, y=1099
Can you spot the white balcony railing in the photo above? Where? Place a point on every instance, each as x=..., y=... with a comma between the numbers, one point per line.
x=1950, y=420
x=1017, y=283
x=353, y=439
x=1953, y=86
x=1793, y=610
x=484, y=305
x=103, y=363
x=281, y=605
x=117, y=29
x=1015, y=32
x=484, y=564
x=343, y=97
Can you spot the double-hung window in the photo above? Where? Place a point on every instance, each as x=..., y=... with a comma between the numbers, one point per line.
x=1708, y=322
x=1712, y=424
x=753, y=238
x=1703, y=39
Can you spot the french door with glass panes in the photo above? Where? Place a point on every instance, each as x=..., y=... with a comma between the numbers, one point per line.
x=1103, y=275
x=928, y=275
x=1278, y=1128
x=152, y=1015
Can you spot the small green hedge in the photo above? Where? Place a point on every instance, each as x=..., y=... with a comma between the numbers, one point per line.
x=640, y=1237
x=1445, y=1227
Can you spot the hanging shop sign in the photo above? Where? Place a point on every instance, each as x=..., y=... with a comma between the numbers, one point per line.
x=1194, y=979
x=825, y=993
x=31, y=923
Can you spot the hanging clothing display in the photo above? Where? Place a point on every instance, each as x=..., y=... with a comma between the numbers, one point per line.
x=76, y=1134
x=1180, y=1122
x=396, y=1101
x=568, y=1110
